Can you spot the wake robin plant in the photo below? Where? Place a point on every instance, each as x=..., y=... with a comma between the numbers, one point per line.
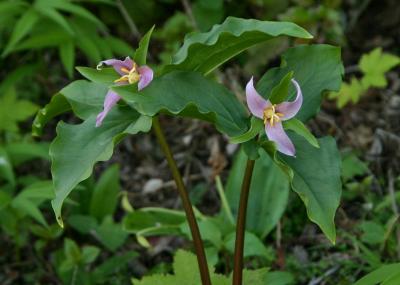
x=127, y=99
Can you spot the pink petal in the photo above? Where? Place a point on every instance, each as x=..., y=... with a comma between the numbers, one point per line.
x=146, y=76
x=118, y=64
x=290, y=109
x=255, y=102
x=277, y=135
x=111, y=99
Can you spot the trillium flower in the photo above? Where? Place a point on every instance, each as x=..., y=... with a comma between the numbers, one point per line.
x=274, y=114
x=130, y=73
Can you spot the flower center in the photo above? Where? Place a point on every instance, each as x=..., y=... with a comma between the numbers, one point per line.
x=132, y=76
x=270, y=115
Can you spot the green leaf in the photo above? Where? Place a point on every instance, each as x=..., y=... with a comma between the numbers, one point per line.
x=118, y=46
x=141, y=52
x=89, y=254
x=269, y=193
x=103, y=272
x=6, y=168
x=25, y=151
x=316, y=68
x=154, y=221
x=256, y=277
x=76, y=10
x=190, y=95
x=349, y=92
x=57, y=105
x=374, y=65
x=253, y=246
x=379, y=275
x=105, y=195
x=111, y=234
x=373, y=233
x=299, y=128
x=315, y=176
x=54, y=15
x=13, y=111
x=22, y=28
x=204, y=52
x=279, y=278
x=104, y=75
x=256, y=125
x=67, y=56
x=72, y=250
x=352, y=166
x=77, y=148
x=280, y=91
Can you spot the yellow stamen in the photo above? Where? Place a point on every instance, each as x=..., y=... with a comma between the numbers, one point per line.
x=123, y=69
x=132, y=76
x=270, y=115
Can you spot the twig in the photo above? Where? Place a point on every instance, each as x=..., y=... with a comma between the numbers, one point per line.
x=189, y=12
x=132, y=26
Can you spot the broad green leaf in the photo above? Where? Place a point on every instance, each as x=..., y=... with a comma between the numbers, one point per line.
x=253, y=246
x=379, y=275
x=189, y=94
x=57, y=105
x=21, y=29
x=298, y=127
x=13, y=111
x=67, y=56
x=374, y=65
x=85, y=98
x=316, y=68
x=104, y=75
x=141, y=52
x=105, y=195
x=315, y=176
x=77, y=148
x=203, y=52
x=269, y=193
x=256, y=125
x=280, y=91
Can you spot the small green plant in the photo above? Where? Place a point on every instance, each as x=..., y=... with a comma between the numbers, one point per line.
x=374, y=66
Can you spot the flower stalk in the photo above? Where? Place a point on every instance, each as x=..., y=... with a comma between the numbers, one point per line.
x=194, y=228
x=241, y=224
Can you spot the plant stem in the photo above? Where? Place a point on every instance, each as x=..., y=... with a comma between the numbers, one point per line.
x=131, y=24
x=241, y=224
x=194, y=228
x=224, y=202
